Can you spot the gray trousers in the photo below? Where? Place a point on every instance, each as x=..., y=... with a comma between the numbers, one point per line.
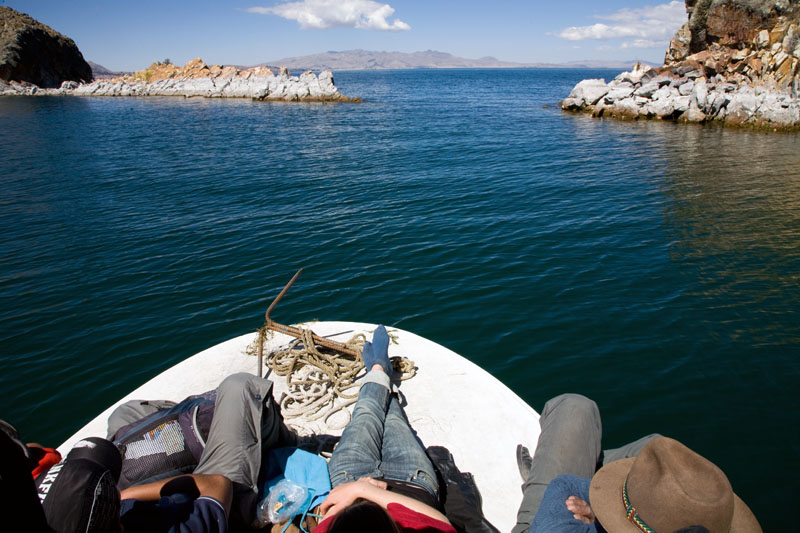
x=569, y=443
x=247, y=423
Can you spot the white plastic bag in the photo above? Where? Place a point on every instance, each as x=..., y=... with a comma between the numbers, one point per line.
x=285, y=500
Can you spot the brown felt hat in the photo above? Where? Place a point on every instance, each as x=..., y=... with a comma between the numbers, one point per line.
x=668, y=487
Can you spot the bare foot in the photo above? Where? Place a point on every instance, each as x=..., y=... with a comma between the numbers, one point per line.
x=580, y=510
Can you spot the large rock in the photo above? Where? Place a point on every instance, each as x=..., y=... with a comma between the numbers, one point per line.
x=34, y=53
x=734, y=61
x=588, y=92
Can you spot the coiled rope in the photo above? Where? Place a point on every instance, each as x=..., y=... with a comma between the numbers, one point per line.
x=320, y=382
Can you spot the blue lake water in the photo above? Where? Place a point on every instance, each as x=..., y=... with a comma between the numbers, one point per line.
x=653, y=267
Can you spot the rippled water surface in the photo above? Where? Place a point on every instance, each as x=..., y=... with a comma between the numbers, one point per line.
x=653, y=267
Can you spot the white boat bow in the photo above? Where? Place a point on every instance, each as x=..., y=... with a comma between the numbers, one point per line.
x=451, y=402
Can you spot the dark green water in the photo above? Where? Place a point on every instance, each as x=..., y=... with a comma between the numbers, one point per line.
x=653, y=267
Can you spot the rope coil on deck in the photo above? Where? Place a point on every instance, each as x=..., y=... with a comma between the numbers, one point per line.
x=320, y=382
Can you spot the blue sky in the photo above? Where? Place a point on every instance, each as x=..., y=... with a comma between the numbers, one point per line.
x=131, y=35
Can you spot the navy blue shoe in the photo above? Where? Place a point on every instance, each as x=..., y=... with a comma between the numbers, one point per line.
x=377, y=351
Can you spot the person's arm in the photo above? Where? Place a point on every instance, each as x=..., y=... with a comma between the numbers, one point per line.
x=211, y=485
x=375, y=491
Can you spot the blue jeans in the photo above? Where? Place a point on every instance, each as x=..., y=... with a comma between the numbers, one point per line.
x=379, y=443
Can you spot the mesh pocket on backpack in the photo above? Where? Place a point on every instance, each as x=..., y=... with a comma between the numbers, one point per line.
x=161, y=449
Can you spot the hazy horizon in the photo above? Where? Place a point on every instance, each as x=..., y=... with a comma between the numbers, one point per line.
x=128, y=37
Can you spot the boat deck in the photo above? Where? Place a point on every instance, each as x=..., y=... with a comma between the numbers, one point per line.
x=450, y=402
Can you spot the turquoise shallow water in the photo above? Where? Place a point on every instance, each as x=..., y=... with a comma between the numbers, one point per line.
x=653, y=267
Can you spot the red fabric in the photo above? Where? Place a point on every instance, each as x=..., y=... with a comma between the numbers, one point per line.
x=45, y=458
x=408, y=520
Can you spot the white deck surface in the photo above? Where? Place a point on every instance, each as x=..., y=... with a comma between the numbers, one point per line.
x=450, y=402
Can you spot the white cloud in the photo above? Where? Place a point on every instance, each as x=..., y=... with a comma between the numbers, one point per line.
x=654, y=24
x=322, y=14
x=643, y=43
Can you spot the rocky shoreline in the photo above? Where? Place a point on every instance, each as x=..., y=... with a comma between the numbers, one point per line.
x=670, y=94
x=731, y=63
x=196, y=79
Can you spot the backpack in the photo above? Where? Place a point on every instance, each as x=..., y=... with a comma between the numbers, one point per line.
x=166, y=443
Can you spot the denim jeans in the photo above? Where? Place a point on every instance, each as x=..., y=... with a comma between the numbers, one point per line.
x=379, y=443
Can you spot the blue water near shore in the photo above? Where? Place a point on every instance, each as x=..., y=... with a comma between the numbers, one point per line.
x=654, y=267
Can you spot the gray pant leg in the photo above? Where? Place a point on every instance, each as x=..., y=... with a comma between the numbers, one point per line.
x=631, y=449
x=132, y=411
x=569, y=443
x=246, y=424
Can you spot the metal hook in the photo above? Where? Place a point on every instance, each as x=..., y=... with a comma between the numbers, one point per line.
x=294, y=331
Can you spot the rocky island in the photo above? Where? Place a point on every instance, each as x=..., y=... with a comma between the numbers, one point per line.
x=215, y=81
x=736, y=62
x=35, y=60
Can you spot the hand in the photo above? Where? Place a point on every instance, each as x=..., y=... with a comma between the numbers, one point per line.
x=580, y=510
x=377, y=482
x=346, y=494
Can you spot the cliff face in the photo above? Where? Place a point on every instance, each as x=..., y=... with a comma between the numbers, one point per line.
x=733, y=61
x=34, y=53
x=755, y=41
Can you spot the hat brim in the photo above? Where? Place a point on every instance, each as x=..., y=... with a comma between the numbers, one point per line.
x=605, y=497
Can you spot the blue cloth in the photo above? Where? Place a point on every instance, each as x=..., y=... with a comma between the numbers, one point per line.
x=306, y=469
x=553, y=515
x=176, y=513
x=379, y=443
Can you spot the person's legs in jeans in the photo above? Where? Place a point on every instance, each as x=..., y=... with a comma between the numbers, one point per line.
x=569, y=443
x=358, y=453
x=402, y=457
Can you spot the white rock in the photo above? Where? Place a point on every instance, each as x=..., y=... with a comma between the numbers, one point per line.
x=720, y=101
x=627, y=107
x=326, y=82
x=778, y=109
x=763, y=39
x=686, y=88
x=743, y=105
x=661, y=108
x=246, y=85
x=647, y=89
x=663, y=93
x=694, y=114
x=681, y=103
x=619, y=93
x=700, y=93
x=778, y=60
x=589, y=91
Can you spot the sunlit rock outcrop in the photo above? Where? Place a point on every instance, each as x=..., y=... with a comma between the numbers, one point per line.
x=734, y=61
x=198, y=79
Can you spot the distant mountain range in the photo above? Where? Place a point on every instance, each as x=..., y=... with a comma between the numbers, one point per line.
x=100, y=72
x=367, y=60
